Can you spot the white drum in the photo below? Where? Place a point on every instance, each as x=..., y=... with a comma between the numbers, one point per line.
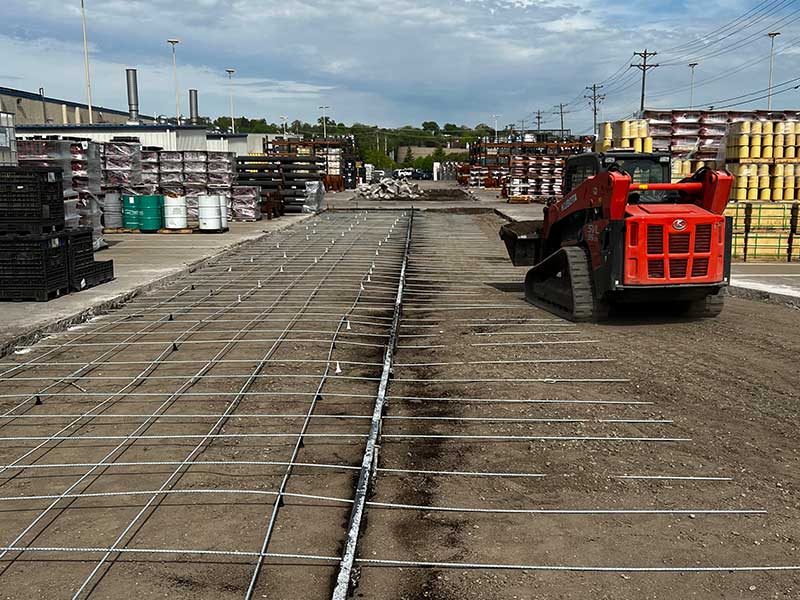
x=175, y=214
x=209, y=213
x=223, y=211
x=112, y=210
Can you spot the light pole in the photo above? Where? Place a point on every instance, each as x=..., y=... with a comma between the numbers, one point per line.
x=173, y=43
x=324, y=122
x=86, y=63
x=772, y=35
x=230, y=73
x=495, y=128
x=284, y=118
x=691, y=85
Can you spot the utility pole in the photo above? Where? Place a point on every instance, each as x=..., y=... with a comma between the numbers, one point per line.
x=522, y=123
x=174, y=42
x=538, y=121
x=495, y=128
x=644, y=67
x=560, y=107
x=595, y=99
x=324, y=122
x=691, y=85
x=230, y=73
x=772, y=35
x=86, y=63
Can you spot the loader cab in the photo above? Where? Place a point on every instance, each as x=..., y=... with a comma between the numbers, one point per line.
x=642, y=167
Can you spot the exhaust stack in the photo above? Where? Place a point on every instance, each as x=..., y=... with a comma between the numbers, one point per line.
x=194, y=112
x=133, y=95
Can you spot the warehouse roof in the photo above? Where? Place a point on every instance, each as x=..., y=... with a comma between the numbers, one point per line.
x=4, y=91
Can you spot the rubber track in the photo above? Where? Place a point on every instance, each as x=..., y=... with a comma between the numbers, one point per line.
x=549, y=294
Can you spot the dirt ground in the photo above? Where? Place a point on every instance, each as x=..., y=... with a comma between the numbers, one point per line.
x=729, y=385
x=660, y=396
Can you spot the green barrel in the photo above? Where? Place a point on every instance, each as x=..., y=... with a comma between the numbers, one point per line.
x=130, y=212
x=151, y=213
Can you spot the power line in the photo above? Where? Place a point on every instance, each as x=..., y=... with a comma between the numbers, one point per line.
x=595, y=99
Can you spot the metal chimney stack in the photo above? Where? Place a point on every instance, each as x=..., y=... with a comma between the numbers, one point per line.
x=194, y=112
x=133, y=95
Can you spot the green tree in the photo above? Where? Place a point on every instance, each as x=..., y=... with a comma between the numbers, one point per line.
x=450, y=128
x=408, y=161
x=431, y=126
x=438, y=155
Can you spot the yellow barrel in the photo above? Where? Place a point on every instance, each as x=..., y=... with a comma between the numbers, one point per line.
x=778, y=152
x=768, y=139
x=780, y=139
x=790, y=127
x=765, y=194
x=789, y=182
x=625, y=143
x=698, y=164
x=743, y=139
x=607, y=130
x=763, y=181
x=766, y=152
x=752, y=193
x=767, y=127
x=742, y=127
x=755, y=140
x=778, y=182
x=789, y=170
x=686, y=167
x=761, y=170
x=648, y=144
x=637, y=144
x=626, y=131
x=779, y=170
x=777, y=194
x=779, y=128
x=744, y=152
x=790, y=139
x=789, y=193
x=752, y=181
x=740, y=193
x=756, y=127
x=790, y=152
x=755, y=151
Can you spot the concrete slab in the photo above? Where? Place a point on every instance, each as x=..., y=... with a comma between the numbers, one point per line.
x=774, y=281
x=141, y=262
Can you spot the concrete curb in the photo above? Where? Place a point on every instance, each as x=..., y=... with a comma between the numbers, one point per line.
x=37, y=332
x=764, y=296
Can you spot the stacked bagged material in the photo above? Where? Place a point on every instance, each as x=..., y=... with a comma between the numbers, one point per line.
x=221, y=169
x=170, y=172
x=195, y=176
x=150, y=166
x=80, y=163
x=389, y=189
x=122, y=164
x=245, y=203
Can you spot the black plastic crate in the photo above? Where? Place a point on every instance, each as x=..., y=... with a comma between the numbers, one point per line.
x=31, y=200
x=33, y=267
x=80, y=251
x=97, y=272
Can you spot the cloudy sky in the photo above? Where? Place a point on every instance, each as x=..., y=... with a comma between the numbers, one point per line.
x=404, y=61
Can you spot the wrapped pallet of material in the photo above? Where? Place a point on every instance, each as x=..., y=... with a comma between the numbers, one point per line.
x=245, y=203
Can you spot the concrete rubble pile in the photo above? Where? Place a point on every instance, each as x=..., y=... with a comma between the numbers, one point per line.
x=388, y=189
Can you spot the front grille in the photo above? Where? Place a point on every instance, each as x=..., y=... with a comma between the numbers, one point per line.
x=677, y=267
x=700, y=267
x=655, y=239
x=702, y=238
x=655, y=268
x=678, y=243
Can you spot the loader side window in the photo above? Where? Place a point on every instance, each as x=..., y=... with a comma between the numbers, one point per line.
x=577, y=174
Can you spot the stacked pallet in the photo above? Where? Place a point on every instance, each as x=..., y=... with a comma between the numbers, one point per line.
x=79, y=161
x=296, y=172
x=765, y=230
x=8, y=141
x=534, y=176
x=122, y=163
x=264, y=173
x=763, y=157
x=632, y=134
x=39, y=259
x=150, y=167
